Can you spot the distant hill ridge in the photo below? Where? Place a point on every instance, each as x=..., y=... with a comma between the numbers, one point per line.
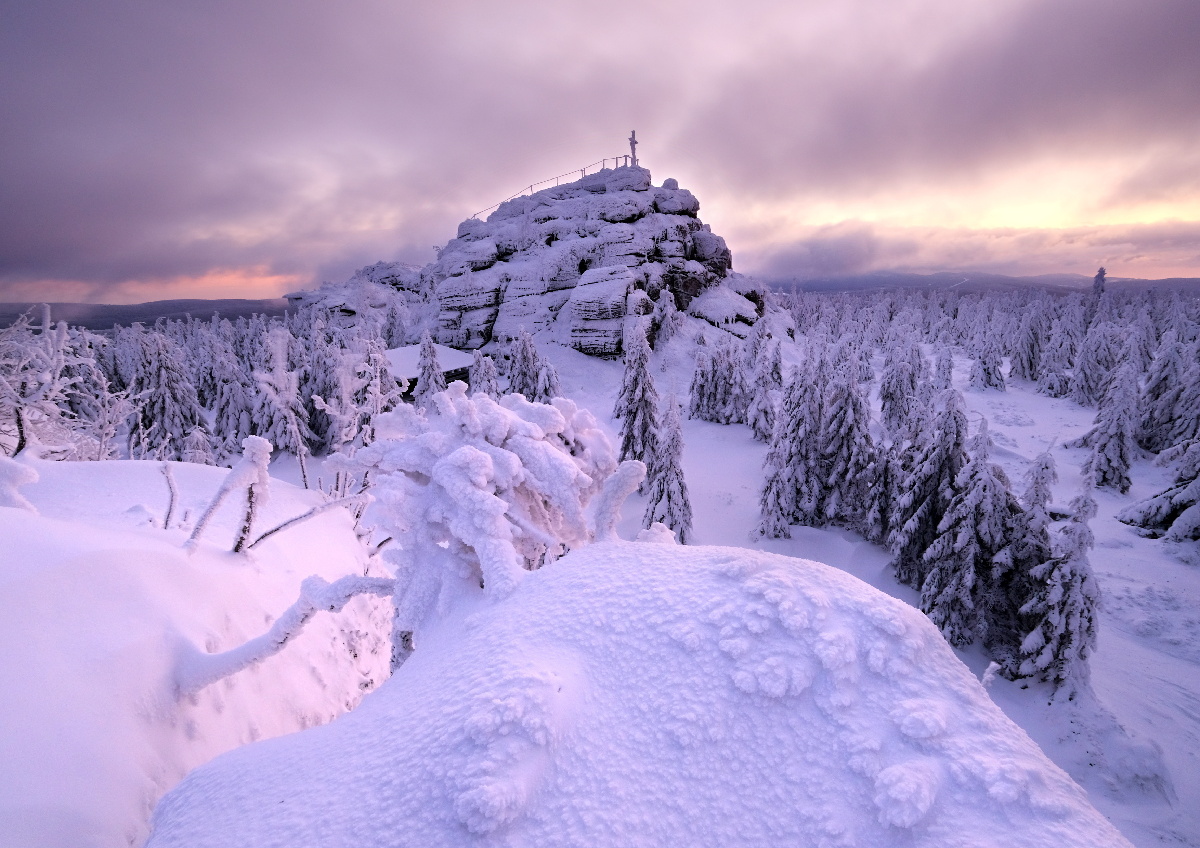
x=103, y=316
x=964, y=281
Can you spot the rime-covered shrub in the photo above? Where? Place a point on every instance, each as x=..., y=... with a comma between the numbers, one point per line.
x=477, y=492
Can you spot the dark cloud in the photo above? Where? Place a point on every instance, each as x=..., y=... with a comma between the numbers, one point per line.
x=1144, y=250
x=160, y=142
x=1074, y=78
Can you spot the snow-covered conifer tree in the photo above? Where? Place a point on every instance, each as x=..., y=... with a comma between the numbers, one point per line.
x=637, y=372
x=667, y=495
x=1112, y=436
x=768, y=393
x=523, y=365
x=197, y=448
x=1063, y=608
x=846, y=453
x=1174, y=512
x=483, y=377
x=167, y=404
x=548, y=387
x=943, y=373
x=971, y=535
x=986, y=372
x=280, y=416
x=1053, y=379
x=1027, y=346
x=702, y=401
x=430, y=377
x=794, y=486
x=638, y=405
x=927, y=488
x=1161, y=394
x=1094, y=364
x=1041, y=477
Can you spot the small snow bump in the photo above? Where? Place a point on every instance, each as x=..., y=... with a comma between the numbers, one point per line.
x=905, y=792
x=921, y=718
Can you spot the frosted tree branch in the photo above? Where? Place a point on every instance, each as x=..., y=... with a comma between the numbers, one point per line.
x=195, y=670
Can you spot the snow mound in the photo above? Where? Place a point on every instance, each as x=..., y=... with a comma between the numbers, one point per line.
x=648, y=694
x=101, y=606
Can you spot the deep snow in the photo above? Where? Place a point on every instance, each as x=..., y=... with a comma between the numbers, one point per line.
x=651, y=694
x=101, y=606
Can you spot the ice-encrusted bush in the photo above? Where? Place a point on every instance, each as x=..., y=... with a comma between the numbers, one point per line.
x=477, y=492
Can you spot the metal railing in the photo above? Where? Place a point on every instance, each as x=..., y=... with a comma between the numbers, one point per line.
x=529, y=189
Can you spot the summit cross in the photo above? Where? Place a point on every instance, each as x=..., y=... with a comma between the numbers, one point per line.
x=633, y=147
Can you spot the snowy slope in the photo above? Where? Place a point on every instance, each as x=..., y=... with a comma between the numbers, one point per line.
x=1137, y=751
x=101, y=604
x=655, y=695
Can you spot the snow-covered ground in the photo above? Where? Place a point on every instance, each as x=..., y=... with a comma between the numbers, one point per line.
x=651, y=694
x=1146, y=672
x=102, y=604
x=103, y=608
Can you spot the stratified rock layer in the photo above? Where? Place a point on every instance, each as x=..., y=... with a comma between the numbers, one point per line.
x=603, y=247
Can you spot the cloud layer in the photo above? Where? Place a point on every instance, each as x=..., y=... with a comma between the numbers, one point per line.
x=162, y=150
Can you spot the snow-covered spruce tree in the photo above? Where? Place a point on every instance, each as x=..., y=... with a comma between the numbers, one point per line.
x=986, y=371
x=846, y=452
x=667, y=494
x=234, y=402
x=943, y=372
x=167, y=404
x=380, y=391
x=197, y=448
x=483, y=377
x=667, y=319
x=901, y=396
x=1186, y=425
x=971, y=535
x=523, y=362
x=1053, y=379
x=768, y=392
x=279, y=416
x=1040, y=480
x=1173, y=513
x=1161, y=394
x=548, y=387
x=1142, y=342
x=638, y=404
x=456, y=489
x=701, y=400
x=1096, y=297
x=1112, y=436
x=1094, y=364
x=430, y=377
x=1027, y=346
x=927, y=488
x=793, y=485
x=637, y=372
x=1063, y=608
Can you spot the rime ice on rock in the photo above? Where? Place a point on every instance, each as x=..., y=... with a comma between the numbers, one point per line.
x=578, y=256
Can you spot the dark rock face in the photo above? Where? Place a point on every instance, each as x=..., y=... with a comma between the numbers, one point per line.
x=587, y=246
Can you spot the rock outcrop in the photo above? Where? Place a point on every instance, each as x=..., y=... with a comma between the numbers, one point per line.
x=577, y=259
x=603, y=247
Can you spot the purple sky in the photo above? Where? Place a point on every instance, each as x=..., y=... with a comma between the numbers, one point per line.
x=241, y=149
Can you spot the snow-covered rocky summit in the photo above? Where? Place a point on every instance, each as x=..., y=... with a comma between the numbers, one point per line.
x=650, y=694
x=577, y=258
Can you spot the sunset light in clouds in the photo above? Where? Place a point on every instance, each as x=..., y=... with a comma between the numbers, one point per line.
x=223, y=149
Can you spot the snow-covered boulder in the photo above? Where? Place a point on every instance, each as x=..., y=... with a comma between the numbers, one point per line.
x=650, y=694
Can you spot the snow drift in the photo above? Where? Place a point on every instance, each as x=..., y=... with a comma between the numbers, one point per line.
x=651, y=694
x=102, y=610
